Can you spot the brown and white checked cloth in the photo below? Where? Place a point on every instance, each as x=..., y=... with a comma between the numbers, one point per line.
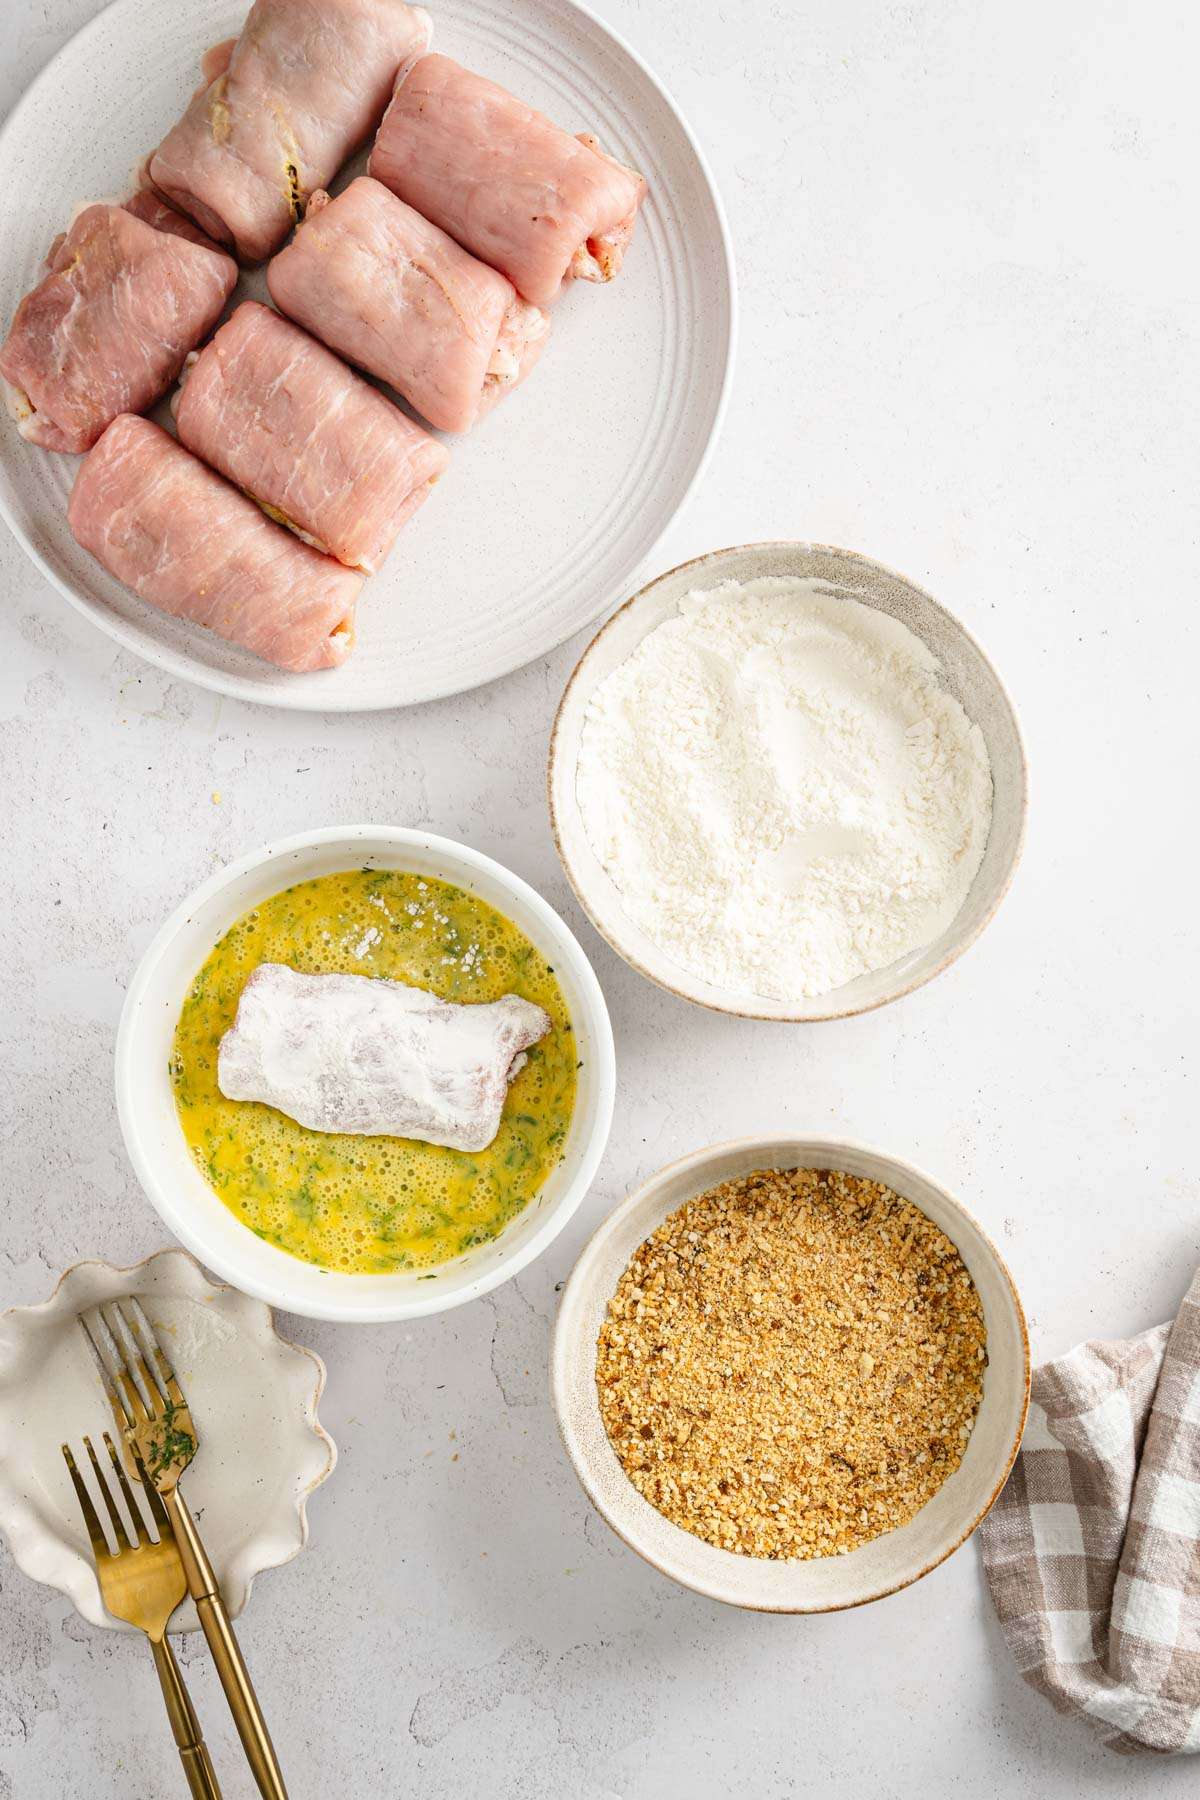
x=1092, y=1552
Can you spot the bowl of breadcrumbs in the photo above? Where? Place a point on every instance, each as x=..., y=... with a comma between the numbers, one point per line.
x=791, y=1373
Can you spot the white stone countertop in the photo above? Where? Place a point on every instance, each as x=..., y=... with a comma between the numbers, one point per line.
x=970, y=347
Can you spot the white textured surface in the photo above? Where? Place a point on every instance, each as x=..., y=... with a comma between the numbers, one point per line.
x=970, y=348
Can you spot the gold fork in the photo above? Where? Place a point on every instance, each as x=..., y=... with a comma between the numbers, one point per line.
x=156, y=1430
x=142, y=1583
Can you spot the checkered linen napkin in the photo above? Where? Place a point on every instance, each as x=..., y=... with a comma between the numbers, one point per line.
x=1092, y=1552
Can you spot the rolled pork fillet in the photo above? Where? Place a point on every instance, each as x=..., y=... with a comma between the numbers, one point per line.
x=312, y=442
x=280, y=109
x=364, y=1055
x=146, y=205
x=183, y=539
x=522, y=194
x=394, y=294
x=108, y=327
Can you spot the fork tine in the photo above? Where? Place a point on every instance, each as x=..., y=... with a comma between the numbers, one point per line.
x=132, y=1398
x=136, y=1370
x=118, y=1524
x=121, y=1417
x=139, y=1524
x=95, y=1532
x=117, y=1368
x=150, y=1338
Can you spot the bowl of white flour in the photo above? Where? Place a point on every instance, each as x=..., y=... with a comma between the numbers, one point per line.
x=786, y=783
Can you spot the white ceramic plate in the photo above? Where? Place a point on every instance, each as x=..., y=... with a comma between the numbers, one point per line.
x=825, y=1584
x=253, y=1397
x=159, y=1152
x=556, y=500
x=966, y=673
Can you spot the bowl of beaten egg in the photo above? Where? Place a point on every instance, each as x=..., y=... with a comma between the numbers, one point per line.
x=362, y=1227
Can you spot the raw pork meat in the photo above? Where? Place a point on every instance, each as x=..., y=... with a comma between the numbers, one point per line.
x=107, y=329
x=314, y=444
x=190, y=544
x=391, y=292
x=280, y=109
x=526, y=196
x=361, y=1055
x=146, y=205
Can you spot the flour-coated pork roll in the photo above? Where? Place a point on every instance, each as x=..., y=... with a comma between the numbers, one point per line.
x=363, y=1055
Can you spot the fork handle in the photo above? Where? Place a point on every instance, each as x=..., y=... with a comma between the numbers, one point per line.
x=226, y=1653
x=193, y=1751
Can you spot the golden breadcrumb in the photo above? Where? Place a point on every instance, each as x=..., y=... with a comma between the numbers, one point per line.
x=792, y=1363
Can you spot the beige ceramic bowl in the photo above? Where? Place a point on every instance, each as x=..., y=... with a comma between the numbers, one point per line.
x=830, y=1583
x=967, y=674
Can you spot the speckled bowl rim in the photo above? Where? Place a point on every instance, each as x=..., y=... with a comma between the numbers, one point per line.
x=45, y=1561
x=564, y=1349
x=749, y=1010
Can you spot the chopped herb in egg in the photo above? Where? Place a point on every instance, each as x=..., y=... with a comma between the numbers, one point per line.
x=374, y=1204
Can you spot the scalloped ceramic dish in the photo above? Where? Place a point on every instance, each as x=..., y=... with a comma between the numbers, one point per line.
x=550, y=507
x=252, y=1393
x=825, y=1584
x=965, y=672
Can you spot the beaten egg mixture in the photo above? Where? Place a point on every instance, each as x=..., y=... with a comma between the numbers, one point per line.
x=369, y=1205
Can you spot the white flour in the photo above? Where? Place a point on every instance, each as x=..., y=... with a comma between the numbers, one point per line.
x=781, y=789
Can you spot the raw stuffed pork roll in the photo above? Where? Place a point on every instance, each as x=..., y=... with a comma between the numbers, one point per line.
x=107, y=329
x=146, y=205
x=280, y=109
x=318, y=446
x=391, y=292
x=190, y=544
x=526, y=196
